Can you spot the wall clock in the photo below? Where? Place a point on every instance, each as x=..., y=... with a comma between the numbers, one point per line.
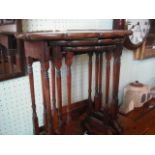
x=147, y=50
x=140, y=29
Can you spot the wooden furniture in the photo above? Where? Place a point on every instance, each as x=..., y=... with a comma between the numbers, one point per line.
x=11, y=50
x=52, y=47
x=140, y=121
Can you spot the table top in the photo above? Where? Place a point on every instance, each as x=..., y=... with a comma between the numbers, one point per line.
x=73, y=34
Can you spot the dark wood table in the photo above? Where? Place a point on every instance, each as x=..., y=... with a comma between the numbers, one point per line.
x=53, y=46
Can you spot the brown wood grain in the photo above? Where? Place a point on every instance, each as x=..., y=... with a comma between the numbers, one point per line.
x=34, y=113
x=69, y=61
x=96, y=97
x=53, y=46
x=44, y=102
x=57, y=57
x=100, y=79
x=116, y=75
x=73, y=35
x=55, y=111
x=108, y=61
x=46, y=89
x=90, y=82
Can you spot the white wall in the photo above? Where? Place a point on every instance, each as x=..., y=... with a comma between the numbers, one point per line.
x=131, y=70
x=15, y=100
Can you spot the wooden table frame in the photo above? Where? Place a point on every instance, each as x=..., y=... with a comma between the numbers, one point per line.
x=53, y=46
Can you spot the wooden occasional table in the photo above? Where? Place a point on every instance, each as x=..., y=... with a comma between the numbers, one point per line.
x=53, y=46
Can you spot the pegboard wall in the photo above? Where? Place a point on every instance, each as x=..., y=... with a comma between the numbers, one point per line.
x=15, y=100
x=31, y=25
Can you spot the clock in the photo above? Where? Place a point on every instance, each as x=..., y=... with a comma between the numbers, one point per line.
x=140, y=29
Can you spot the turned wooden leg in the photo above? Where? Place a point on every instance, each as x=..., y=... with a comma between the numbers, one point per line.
x=18, y=64
x=114, y=107
x=100, y=80
x=31, y=79
x=44, y=105
x=10, y=63
x=69, y=59
x=90, y=82
x=57, y=59
x=59, y=93
x=96, y=98
x=55, y=112
x=114, y=98
x=108, y=59
x=3, y=62
x=46, y=89
x=116, y=75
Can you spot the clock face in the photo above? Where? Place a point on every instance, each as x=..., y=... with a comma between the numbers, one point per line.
x=140, y=28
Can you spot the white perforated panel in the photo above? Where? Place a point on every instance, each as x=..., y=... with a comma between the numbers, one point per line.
x=15, y=107
x=31, y=25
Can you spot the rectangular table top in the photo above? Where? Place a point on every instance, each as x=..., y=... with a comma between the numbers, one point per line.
x=73, y=34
